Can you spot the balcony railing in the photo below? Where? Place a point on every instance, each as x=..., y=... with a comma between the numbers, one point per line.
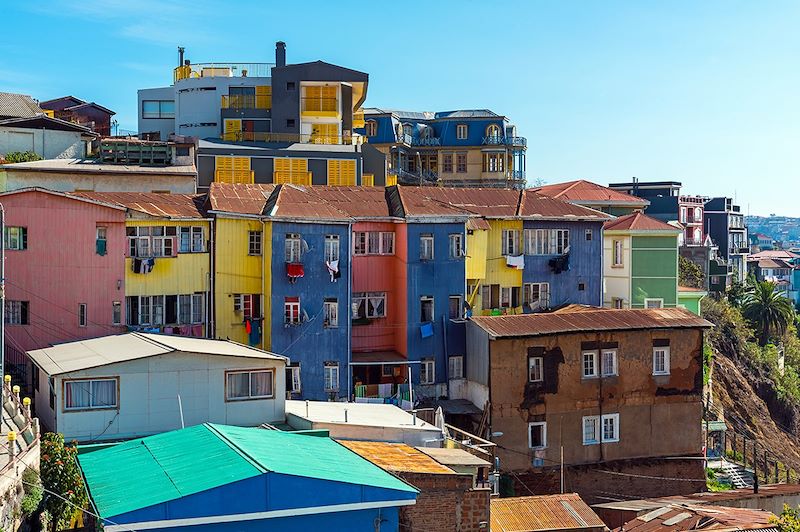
x=403, y=138
x=504, y=141
x=405, y=177
x=315, y=105
x=223, y=70
x=256, y=136
x=248, y=101
x=428, y=141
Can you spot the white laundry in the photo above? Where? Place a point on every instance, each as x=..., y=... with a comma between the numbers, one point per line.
x=517, y=261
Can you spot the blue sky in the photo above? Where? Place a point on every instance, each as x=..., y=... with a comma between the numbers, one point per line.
x=702, y=92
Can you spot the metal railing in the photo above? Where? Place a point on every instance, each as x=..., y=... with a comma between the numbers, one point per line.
x=327, y=105
x=405, y=177
x=28, y=431
x=224, y=70
x=471, y=443
x=427, y=141
x=246, y=101
x=504, y=141
x=403, y=138
x=257, y=136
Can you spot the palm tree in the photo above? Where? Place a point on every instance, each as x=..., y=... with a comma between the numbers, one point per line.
x=768, y=311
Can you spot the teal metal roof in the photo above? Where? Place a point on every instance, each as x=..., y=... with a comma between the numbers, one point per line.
x=161, y=468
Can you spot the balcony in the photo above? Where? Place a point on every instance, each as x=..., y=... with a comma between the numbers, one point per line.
x=289, y=138
x=505, y=141
x=320, y=106
x=405, y=177
x=251, y=101
x=223, y=70
x=427, y=141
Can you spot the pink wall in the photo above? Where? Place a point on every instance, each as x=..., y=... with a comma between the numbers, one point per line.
x=60, y=268
x=382, y=273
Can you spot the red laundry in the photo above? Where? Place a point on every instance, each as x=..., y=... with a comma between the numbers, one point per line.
x=294, y=269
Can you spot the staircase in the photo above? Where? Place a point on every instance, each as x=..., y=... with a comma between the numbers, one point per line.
x=739, y=476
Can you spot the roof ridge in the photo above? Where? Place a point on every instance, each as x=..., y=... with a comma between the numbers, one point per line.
x=571, y=186
x=241, y=452
x=153, y=341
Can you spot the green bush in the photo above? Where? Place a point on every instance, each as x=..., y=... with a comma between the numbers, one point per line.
x=32, y=485
x=22, y=157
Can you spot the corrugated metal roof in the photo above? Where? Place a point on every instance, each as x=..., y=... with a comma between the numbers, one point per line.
x=489, y=202
x=427, y=201
x=582, y=190
x=535, y=205
x=397, y=457
x=95, y=352
x=331, y=203
x=775, y=254
x=18, y=105
x=588, y=320
x=478, y=224
x=545, y=512
x=160, y=205
x=88, y=166
x=455, y=457
x=772, y=263
x=239, y=198
x=678, y=517
x=365, y=414
x=639, y=222
x=140, y=473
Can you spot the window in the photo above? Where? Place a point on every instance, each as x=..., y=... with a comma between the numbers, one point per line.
x=546, y=241
x=698, y=214
x=493, y=131
x=610, y=427
x=588, y=235
x=603, y=428
x=359, y=243
x=454, y=307
x=90, y=394
x=493, y=162
x=373, y=243
x=253, y=384
x=16, y=238
x=292, y=247
x=16, y=312
x=618, y=302
x=456, y=245
x=369, y=305
x=331, y=376
x=371, y=127
x=82, y=318
x=290, y=86
x=331, y=312
x=427, y=372
x=589, y=364
x=116, y=313
x=184, y=308
x=426, y=246
x=293, y=378
x=248, y=304
x=190, y=240
x=158, y=109
x=151, y=241
x=683, y=215
x=661, y=361
x=461, y=163
x=591, y=430
x=291, y=310
x=387, y=243
x=198, y=308
x=461, y=131
x=609, y=362
x=536, y=295
x=455, y=367
x=535, y=369
x=616, y=253
x=101, y=240
x=331, y=248
x=509, y=296
x=426, y=309
x=581, y=287
x=254, y=242
x=537, y=435
x=447, y=163
x=653, y=302
x=290, y=122
x=510, y=243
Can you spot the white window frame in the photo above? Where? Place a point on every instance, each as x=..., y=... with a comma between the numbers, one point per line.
x=371, y=128
x=358, y=297
x=456, y=245
x=68, y=408
x=546, y=241
x=543, y=425
x=617, y=252
x=387, y=243
x=427, y=371
x=145, y=244
x=460, y=313
x=422, y=301
x=83, y=315
x=462, y=131
x=595, y=370
x=657, y=300
x=614, y=419
x=664, y=369
x=359, y=243
x=331, y=377
x=589, y=234
x=543, y=299
x=249, y=396
x=509, y=246
x=426, y=244
x=606, y=354
x=535, y=369
x=332, y=251
x=116, y=313
x=254, y=243
x=291, y=312
x=331, y=313
x=595, y=423
x=455, y=367
x=292, y=244
x=294, y=380
x=15, y=238
x=505, y=296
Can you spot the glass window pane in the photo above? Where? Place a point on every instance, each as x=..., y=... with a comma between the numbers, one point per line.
x=238, y=385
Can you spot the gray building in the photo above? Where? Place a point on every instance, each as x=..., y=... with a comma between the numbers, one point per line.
x=725, y=225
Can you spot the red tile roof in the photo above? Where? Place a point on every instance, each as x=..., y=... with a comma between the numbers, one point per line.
x=588, y=320
x=161, y=205
x=774, y=254
x=638, y=221
x=545, y=512
x=588, y=192
x=679, y=517
x=239, y=198
x=536, y=205
x=331, y=203
x=773, y=263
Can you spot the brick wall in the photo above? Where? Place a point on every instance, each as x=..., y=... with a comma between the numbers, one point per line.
x=445, y=502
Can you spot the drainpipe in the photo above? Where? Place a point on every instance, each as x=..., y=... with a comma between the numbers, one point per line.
x=44, y=155
x=349, y=311
x=212, y=255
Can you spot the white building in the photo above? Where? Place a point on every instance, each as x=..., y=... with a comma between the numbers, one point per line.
x=132, y=385
x=50, y=138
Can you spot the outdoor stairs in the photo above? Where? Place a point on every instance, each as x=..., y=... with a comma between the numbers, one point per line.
x=739, y=476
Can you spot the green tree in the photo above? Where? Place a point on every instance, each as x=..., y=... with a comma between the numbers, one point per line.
x=22, y=156
x=689, y=273
x=768, y=311
x=60, y=474
x=789, y=520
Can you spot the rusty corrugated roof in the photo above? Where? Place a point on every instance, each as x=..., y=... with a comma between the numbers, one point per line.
x=535, y=205
x=331, y=203
x=478, y=224
x=489, y=202
x=397, y=457
x=546, y=512
x=638, y=222
x=588, y=320
x=679, y=517
x=586, y=191
x=154, y=204
x=239, y=198
x=428, y=201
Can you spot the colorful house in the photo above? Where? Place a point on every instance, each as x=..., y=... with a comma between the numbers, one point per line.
x=216, y=477
x=640, y=262
x=167, y=261
x=690, y=298
x=594, y=196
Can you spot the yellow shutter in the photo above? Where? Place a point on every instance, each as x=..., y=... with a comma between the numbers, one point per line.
x=233, y=129
x=233, y=170
x=324, y=134
x=368, y=180
x=291, y=170
x=263, y=97
x=341, y=172
x=391, y=180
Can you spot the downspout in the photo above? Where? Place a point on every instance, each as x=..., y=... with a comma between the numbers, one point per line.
x=44, y=156
x=264, y=283
x=349, y=310
x=212, y=261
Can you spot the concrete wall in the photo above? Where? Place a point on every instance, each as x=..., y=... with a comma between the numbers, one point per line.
x=48, y=143
x=148, y=397
x=165, y=126
x=617, y=279
x=14, y=179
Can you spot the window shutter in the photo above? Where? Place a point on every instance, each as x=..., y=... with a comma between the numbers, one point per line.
x=24, y=312
x=24, y=237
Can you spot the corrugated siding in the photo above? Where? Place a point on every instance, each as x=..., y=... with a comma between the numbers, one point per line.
x=477, y=360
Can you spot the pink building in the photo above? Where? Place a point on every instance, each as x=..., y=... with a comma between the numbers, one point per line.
x=65, y=260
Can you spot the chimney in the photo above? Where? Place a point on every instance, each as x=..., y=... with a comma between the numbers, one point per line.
x=280, y=54
x=181, y=49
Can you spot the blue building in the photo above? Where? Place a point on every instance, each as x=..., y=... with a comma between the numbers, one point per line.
x=216, y=477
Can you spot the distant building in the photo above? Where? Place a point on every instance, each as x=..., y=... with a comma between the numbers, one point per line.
x=136, y=384
x=542, y=513
x=586, y=381
x=594, y=196
x=215, y=477
x=685, y=516
x=725, y=226
x=14, y=105
x=88, y=114
x=690, y=298
x=778, y=271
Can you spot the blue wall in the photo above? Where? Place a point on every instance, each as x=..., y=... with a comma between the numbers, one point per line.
x=440, y=278
x=444, y=129
x=585, y=265
x=310, y=343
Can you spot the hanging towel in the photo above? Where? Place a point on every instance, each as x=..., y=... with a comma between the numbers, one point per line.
x=254, y=336
x=247, y=327
x=426, y=330
x=517, y=262
x=294, y=270
x=333, y=269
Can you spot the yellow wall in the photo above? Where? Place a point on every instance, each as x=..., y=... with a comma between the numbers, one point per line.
x=496, y=270
x=476, y=254
x=185, y=273
x=236, y=272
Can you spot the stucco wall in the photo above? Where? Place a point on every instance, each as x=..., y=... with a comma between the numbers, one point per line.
x=49, y=144
x=14, y=179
